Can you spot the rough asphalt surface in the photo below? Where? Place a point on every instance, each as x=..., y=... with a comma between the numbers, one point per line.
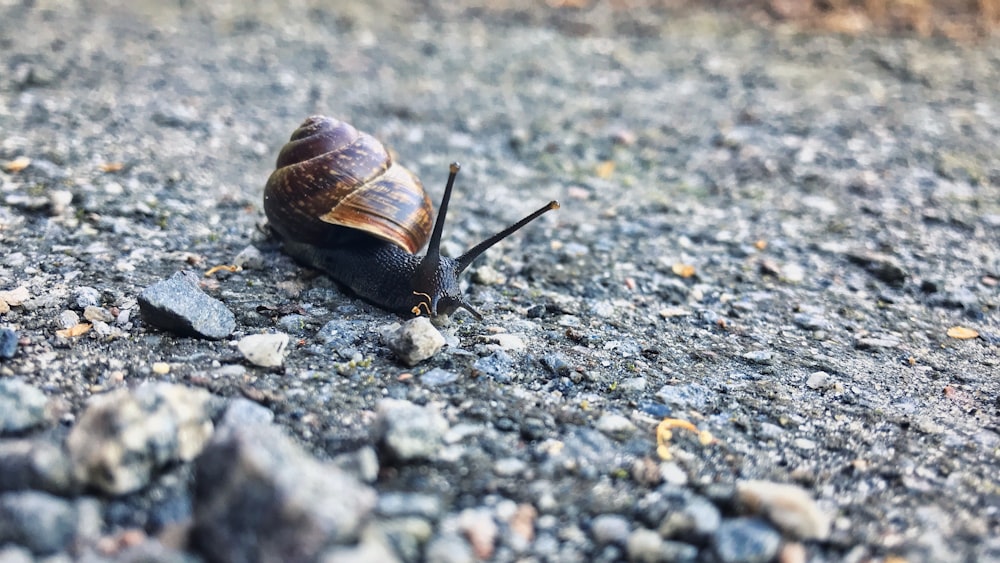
x=764, y=235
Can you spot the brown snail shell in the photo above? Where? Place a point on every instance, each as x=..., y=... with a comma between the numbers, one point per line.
x=329, y=173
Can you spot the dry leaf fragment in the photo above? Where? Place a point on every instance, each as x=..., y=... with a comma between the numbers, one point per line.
x=227, y=267
x=17, y=165
x=112, y=166
x=605, y=169
x=962, y=333
x=75, y=330
x=683, y=270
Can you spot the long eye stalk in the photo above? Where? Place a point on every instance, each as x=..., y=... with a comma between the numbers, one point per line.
x=474, y=252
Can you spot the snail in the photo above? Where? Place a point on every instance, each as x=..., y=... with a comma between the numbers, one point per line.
x=341, y=205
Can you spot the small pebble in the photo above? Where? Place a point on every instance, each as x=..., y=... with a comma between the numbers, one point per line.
x=509, y=467
x=92, y=313
x=508, y=341
x=497, y=366
x=68, y=319
x=249, y=259
x=745, y=540
x=15, y=297
x=789, y=507
x=610, y=529
x=671, y=472
x=488, y=275
x=759, y=356
x=644, y=546
x=161, y=368
x=615, y=425
x=87, y=297
x=8, y=343
x=415, y=341
x=22, y=406
x=438, y=376
x=819, y=380
x=448, y=547
x=804, y=444
x=481, y=530
x=265, y=350
x=405, y=431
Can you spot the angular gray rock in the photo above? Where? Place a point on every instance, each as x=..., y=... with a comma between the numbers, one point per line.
x=260, y=497
x=178, y=305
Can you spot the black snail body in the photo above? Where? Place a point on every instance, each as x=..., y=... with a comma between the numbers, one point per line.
x=341, y=205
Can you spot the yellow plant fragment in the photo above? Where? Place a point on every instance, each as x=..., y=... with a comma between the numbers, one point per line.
x=75, y=330
x=605, y=169
x=227, y=267
x=962, y=333
x=17, y=165
x=665, y=431
x=683, y=270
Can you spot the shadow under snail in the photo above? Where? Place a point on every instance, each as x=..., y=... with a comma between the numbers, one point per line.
x=341, y=205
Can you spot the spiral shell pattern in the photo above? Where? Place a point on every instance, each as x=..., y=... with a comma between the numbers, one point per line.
x=329, y=173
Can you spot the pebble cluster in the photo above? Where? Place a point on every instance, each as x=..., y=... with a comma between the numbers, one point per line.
x=233, y=486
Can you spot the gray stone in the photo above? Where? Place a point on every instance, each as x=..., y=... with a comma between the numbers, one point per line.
x=178, y=305
x=405, y=431
x=43, y=523
x=644, y=546
x=438, y=376
x=8, y=343
x=745, y=540
x=615, y=425
x=372, y=548
x=415, y=341
x=35, y=464
x=124, y=436
x=260, y=497
x=691, y=395
x=249, y=259
x=244, y=412
x=397, y=504
x=609, y=528
x=448, y=547
x=21, y=406
x=362, y=463
x=408, y=535
x=497, y=366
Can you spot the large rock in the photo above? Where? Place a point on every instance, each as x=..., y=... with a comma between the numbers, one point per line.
x=260, y=497
x=124, y=436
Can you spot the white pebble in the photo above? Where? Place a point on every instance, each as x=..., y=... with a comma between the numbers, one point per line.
x=265, y=350
x=415, y=341
x=789, y=507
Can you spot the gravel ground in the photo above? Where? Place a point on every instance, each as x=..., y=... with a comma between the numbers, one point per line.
x=762, y=325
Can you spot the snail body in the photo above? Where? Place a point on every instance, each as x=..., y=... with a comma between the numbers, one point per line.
x=341, y=205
